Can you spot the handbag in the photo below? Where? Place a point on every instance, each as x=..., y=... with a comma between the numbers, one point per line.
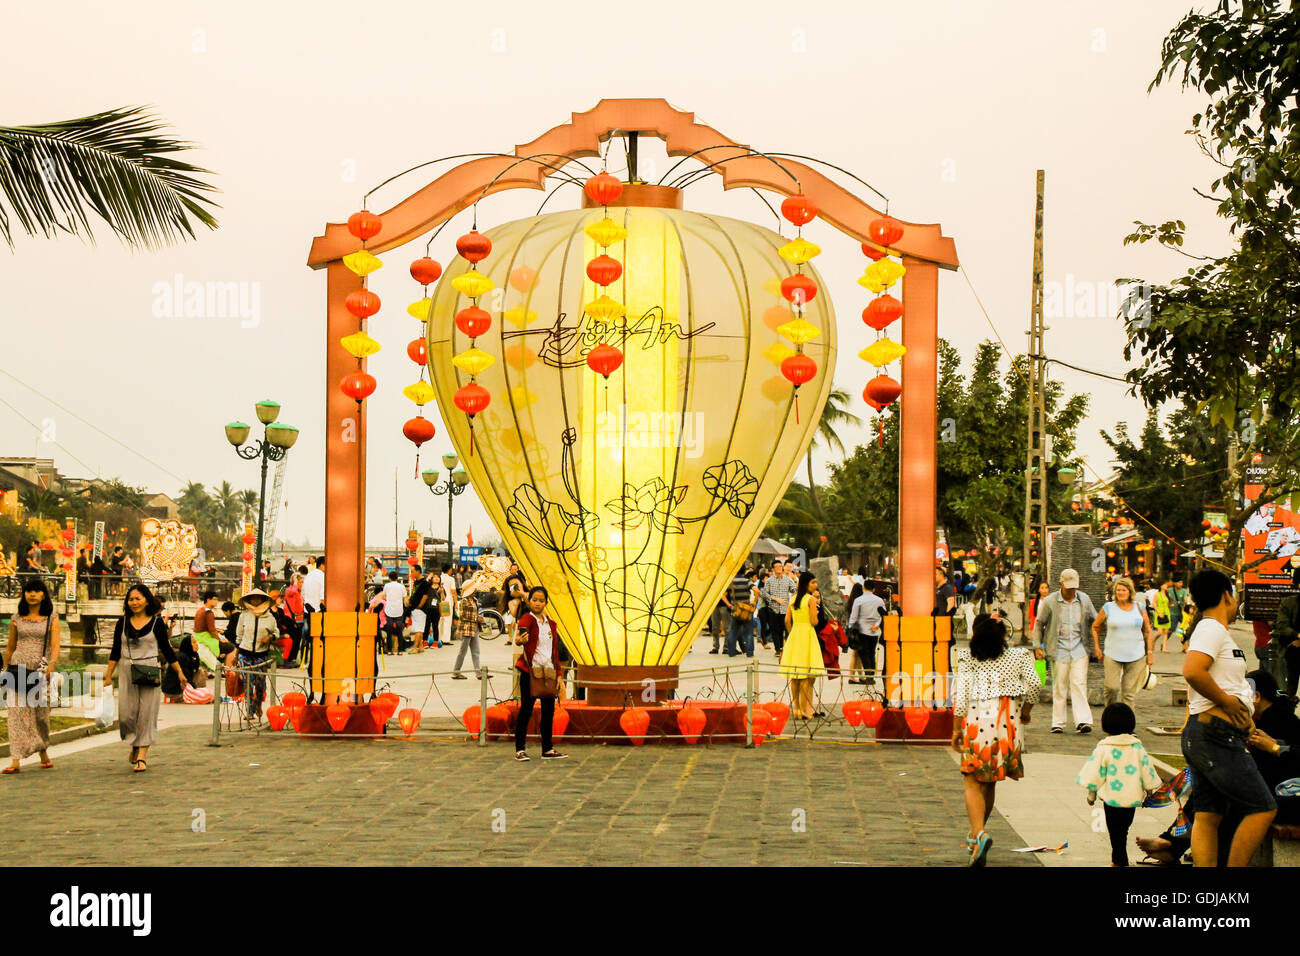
x=543, y=679
x=145, y=675
x=742, y=611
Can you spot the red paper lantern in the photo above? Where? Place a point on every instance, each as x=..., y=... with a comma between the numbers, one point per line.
x=635, y=721
x=1206, y=523
x=871, y=252
x=66, y=552
x=760, y=725
x=277, y=717
x=917, y=718
x=418, y=351
x=247, y=555
x=68, y=533
x=523, y=279
x=691, y=721
x=418, y=430
x=337, y=715
x=472, y=398
x=852, y=711
x=799, y=209
x=362, y=303
x=294, y=699
x=603, y=188
x=886, y=230
x=472, y=717
x=358, y=385
x=872, y=711
x=378, y=710
x=780, y=714
x=412, y=560
x=364, y=224
x=798, y=289
x=559, y=723
x=798, y=368
x=409, y=718
x=474, y=246
x=881, y=311
x=878, y=406
x=473, y=321
x=604, y=360
x=426, y=270
x=882, y=389
x=604, y=270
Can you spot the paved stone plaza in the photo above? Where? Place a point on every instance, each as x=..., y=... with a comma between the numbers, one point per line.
x=275, y=799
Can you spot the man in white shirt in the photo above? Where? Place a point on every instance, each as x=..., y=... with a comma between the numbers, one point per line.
x=395, y=612
x=865, y=621
x=450, y=596
x=845, y=582
x=313, y=598
x=1064, y=620
x=1220, y=705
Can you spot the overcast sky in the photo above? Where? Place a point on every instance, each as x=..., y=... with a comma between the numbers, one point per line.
x=300, y=108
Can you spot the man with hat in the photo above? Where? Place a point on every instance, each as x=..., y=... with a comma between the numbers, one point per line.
x=1064, y=619
x=251, y=630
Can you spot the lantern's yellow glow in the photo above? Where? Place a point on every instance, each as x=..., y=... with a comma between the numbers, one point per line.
x=472, y=284
x=882, y=352
x=359, y=345
x=777, y=352
x=420, y=308
x=362, y=262
x=472, y=361
x=518, y=316
x=879, y=276
x=634, y=500
x=800, y=251
x=420, y=392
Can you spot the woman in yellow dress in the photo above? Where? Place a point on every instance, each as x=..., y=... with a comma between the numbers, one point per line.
x=801, y=658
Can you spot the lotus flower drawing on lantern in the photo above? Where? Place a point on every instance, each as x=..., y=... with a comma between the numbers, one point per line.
x=633, y=495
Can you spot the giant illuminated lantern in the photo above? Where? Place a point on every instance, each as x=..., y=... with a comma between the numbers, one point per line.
x=631, y=384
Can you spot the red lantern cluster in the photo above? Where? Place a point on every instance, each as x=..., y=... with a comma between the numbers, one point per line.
x=361, y=303
x=604, y=270
x=798, y=289
x=882, y=311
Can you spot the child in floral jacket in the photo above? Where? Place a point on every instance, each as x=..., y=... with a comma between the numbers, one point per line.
x=1122, y=773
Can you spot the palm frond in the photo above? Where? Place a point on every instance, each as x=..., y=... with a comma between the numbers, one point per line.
x=835, y=414
x=114, y=165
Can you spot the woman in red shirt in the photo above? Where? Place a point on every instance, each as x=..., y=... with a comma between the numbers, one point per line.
x=536, y=632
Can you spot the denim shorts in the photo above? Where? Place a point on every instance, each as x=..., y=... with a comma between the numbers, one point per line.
x=1224, y=775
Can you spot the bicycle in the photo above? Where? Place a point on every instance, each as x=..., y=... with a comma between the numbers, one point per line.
x=491, y=625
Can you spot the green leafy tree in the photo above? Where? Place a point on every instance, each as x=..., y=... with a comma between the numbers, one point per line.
x=116, y=166
x=1223, y=336
x=248, y=502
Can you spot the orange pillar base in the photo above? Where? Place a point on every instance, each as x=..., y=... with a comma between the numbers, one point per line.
x=917, y=675
x=343, y=665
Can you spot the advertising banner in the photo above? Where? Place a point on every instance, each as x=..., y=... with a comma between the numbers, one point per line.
x=1273, y=532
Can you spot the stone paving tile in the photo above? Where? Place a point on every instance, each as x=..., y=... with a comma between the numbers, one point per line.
x=326, y=803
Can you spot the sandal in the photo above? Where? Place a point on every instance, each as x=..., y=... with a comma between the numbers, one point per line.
x=141, y=766
x=9, y=770
x=979, y=854
x=47, y=764
x=1156, y=861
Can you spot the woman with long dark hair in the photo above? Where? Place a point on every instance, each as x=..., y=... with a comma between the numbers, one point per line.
x=995, y=688
x=801, y=657
x=539, y=673
x=31, y=656
x=141, y=639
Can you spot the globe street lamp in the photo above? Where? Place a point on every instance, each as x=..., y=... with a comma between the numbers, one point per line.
x=277, y=439
x=457, y=481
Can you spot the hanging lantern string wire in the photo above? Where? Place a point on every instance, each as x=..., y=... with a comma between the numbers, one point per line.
x=854, y=177
x=559, y=170
x=746, y=151
x=442, y=159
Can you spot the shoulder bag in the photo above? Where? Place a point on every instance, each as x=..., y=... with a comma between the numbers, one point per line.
x=543, y=679
x=146, y=675
x=24, y=679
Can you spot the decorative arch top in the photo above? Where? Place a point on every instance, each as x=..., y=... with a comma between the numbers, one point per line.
x=461, y=186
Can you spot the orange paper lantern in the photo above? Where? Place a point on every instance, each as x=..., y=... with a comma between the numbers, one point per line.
x=760, y=724
x=886, y=230
x=852, y=710
x=417, y=350
x=426, y=270
x=691, y=721
x=560, y=723
x=635, y=722
x=881, y=311
x=798, y=289
x=474, y=246
x=603, y=188
x=871, y=711
x=799, y=209
x=364, y=224
x=337, y=715
x=409, y=718
x=917, y=718
x=473, y=717
x=362, y=303
x=358, y=386
x=277, y=716
x=780, y=715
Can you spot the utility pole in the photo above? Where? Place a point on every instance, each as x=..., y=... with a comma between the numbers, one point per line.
x=1036, y=454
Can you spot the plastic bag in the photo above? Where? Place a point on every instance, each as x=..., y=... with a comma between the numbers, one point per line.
x=106, y=710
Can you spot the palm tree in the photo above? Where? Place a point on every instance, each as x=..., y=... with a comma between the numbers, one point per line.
x=248, y=502
x=112, y=164
x=227, y=508
x=41, y=502
x=835, y=414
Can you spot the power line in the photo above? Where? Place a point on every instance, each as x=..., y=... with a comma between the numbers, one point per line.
x=42, y=431
x=1086, y=371
x=90, y=425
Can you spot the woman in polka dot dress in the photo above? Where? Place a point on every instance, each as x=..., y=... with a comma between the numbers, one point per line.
x=995, y=688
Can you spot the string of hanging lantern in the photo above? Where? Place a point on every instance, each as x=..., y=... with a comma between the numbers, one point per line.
x=361, y=304
x=604, y=270
x=798, y=289
x=472, y=322
x=882, y=311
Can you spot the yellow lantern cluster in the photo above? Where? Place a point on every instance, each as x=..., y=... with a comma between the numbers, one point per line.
x=419, y=429
x=882, y=311
x=473, y=321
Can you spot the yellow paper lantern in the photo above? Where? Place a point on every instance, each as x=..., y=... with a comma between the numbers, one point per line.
x=777, y=352
x=472, y=284
x=606, y=232
x=605, y=309
x=362, y=262
x=799, y=331
x=359, y=345
x=420, y=308
x=518, y=316
x=882, y=352
x=420, y=392
x=800, y=251
x=634, y=505
x=473, y=361
x=879, y=276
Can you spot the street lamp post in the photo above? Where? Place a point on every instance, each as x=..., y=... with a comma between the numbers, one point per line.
x=275, y=443
x=456, y=483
